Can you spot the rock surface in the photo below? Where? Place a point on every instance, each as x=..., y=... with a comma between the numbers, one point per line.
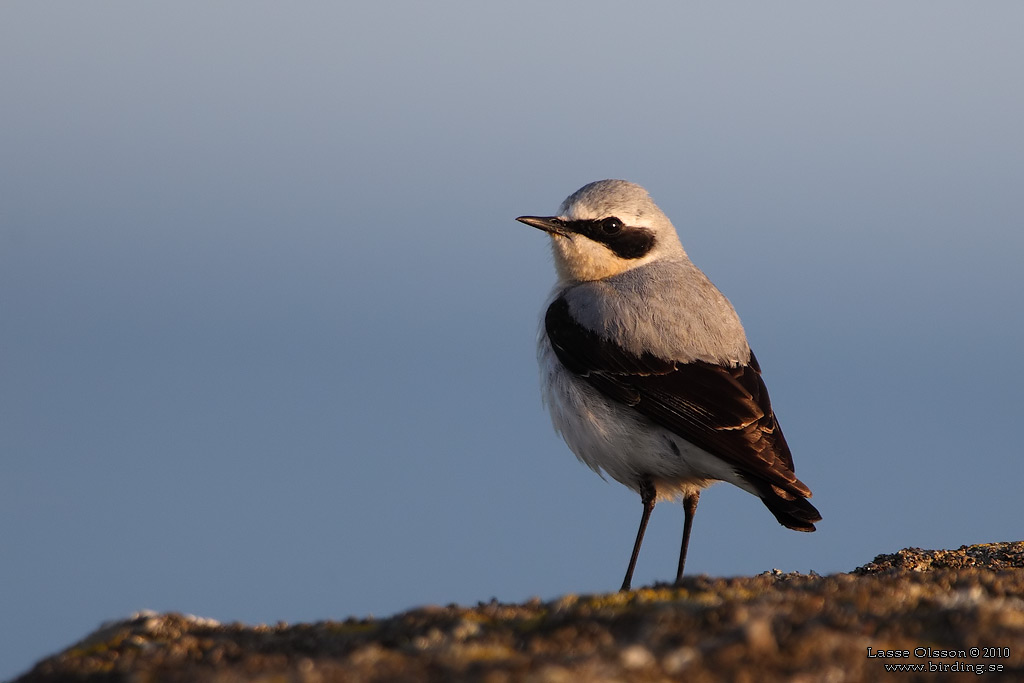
x=949, y=611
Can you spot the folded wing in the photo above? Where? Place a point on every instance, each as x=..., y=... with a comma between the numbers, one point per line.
x=721, y=409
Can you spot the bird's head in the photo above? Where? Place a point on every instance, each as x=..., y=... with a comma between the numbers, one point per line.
x=606, y=228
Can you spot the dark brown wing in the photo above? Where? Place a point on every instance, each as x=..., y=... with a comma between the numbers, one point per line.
x=723, y=410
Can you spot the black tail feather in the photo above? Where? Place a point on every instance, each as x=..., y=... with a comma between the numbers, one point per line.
x=792, y=511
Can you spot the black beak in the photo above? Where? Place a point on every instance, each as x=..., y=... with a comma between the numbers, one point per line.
x=551, y=224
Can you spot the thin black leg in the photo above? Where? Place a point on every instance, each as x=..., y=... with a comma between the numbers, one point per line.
x=647, y=495
x=689, y=508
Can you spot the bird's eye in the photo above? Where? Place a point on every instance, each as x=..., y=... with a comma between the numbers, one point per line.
x=611, y=226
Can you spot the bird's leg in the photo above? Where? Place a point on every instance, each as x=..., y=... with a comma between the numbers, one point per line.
x=647, y=495
x=689, y=508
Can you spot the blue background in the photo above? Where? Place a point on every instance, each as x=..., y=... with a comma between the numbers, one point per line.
x=267, y=324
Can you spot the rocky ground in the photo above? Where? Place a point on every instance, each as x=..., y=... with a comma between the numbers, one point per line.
x=953, y=613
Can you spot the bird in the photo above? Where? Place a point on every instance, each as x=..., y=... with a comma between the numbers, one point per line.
x=646, y=369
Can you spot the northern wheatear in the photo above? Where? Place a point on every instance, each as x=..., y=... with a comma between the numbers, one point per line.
x=645, y=367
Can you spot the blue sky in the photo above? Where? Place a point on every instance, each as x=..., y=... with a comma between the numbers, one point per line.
x=267, y=323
